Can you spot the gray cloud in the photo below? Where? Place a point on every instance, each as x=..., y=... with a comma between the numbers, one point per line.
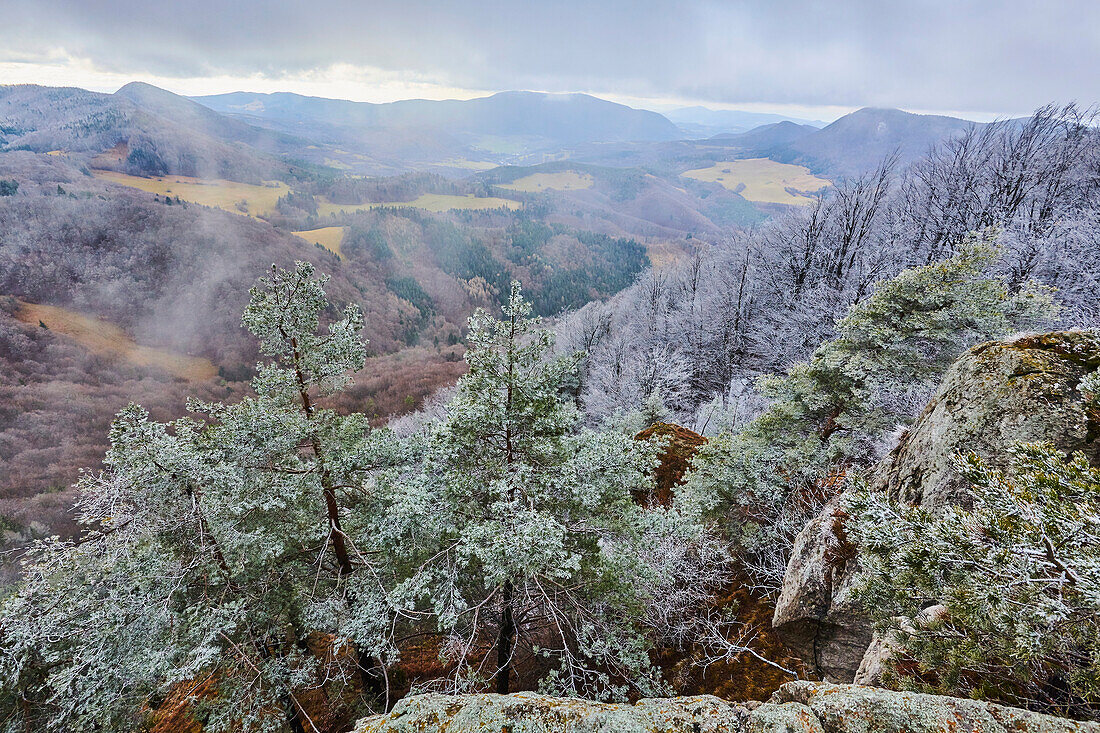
x=1005, y=57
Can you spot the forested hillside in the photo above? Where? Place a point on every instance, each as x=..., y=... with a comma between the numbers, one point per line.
x=699, y=333
x=132, y=224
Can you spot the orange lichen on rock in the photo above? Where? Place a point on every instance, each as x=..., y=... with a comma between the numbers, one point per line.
x=679, y=447
x=176, y=713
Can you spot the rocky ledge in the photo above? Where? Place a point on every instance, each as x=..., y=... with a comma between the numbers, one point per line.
x=798, y=707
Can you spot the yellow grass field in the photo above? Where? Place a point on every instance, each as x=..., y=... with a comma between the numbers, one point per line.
x=258, y=200
x=105, y=338
x=435, y=202
x=327, y=237
x=562, y=181
x=764, y=180
x=473, y=165
x=663, y=254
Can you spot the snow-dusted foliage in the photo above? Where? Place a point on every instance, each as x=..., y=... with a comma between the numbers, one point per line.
x=828, y=415
x=530, y=556
x=213, y=547
x=270, y=553
x=1015, y=579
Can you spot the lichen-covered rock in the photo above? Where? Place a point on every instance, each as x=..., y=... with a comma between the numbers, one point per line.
x=774, y=717
x=815, y=613
x=993, y=396
x=858, y=709
x=524, y=712
x=798, y=707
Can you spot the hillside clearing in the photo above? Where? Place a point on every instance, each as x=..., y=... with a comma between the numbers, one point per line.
x=763, y=180
x=239, y=198
x=561, y=181
x=107, y=339
x=327, y=237
x=434, y=202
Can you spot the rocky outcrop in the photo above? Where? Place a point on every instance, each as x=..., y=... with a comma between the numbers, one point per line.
x=798, y=707
x=533, y=713
x=815, y=614
x=993, y=396
x=858, y=709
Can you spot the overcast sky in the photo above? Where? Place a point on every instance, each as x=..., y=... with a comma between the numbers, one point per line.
x=820, y=59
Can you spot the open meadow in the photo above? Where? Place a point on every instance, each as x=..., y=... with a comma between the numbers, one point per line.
x=763, y=180
x=560, y=181
x=101, y=337
x=239, y=198
x=327, y=237
x=434, y=202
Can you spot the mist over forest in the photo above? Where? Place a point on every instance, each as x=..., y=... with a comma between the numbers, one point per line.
x=382, y=385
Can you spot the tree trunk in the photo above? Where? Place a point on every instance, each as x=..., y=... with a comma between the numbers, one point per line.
x=505, y=641
x=369, y=683
x=336, y=532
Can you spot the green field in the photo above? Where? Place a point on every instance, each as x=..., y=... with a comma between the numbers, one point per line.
x=240, y=198
x=563, y=181
x=763, y=180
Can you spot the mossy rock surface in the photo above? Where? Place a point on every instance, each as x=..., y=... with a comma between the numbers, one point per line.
x=1026, y=389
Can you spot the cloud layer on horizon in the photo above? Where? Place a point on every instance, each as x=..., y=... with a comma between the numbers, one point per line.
x=1005, y=58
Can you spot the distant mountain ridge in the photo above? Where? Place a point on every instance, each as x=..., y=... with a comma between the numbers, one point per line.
x=144, y=129
x=560, y=118
x=701, y=122
x=768, y=136
x=249, y=136
x=196, y=117
x=859, y=141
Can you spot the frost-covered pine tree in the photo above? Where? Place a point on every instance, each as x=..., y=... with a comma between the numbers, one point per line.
x=828, y=415
x=532, y=559
x=216, y=550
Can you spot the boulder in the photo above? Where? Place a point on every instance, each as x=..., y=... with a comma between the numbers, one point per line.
x=798, y=707
x=815, y=614
x=994, y=395
x=859, y=709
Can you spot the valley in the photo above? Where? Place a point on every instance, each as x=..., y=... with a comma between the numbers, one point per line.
x=421, y=212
